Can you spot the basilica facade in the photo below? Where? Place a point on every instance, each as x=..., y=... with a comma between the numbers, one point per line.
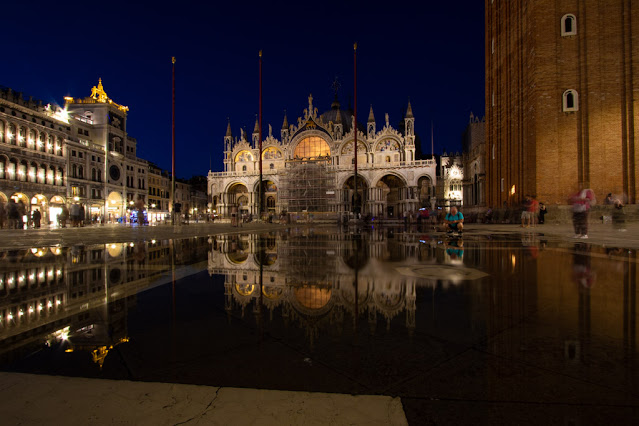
x=310, y=168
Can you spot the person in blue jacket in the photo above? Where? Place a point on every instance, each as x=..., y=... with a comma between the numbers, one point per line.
x=454, y=221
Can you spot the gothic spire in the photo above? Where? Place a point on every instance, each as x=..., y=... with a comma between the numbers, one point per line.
x=228, y=128
x=256, y=129
x=285, y=124
x=409, y=111
x=371, y=117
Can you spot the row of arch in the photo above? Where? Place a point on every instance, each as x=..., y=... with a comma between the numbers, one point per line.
x=25, y=137
x=390, y=179
x=30, y=171
x=389, y=197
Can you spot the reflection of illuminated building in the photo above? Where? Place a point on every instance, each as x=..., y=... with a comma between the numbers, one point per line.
x=85, y=291
x=309, y=278
x=310, y=168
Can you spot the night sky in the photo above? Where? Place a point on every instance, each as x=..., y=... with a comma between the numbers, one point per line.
x=430, y=52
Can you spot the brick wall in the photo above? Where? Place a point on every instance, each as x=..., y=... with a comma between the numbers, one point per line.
x=539, y=148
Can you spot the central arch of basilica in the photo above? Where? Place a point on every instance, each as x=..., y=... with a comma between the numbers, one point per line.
x=311, y=168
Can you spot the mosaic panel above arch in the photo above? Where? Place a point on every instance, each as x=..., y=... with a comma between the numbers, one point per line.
x=243, y=156
x=272, y=153
x=348, y=147
x=387, y=145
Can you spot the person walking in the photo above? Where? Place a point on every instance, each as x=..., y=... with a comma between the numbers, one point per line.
x=36, y=216
x=12, y=214
x=581, y=202
x=75, y=214
x=3, y=214
x=63, y=216
x=525, y=208
x=81, y=216
x=22, y=211
x=542, y=213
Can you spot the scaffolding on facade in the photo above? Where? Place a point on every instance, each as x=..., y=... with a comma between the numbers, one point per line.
x=307, y=186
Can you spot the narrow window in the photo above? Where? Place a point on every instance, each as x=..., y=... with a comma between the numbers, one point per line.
x=570, y=101
x=568, y=25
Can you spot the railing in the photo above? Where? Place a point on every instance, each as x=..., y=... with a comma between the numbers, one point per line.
x=333, y=168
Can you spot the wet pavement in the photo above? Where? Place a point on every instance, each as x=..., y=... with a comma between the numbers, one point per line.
x=505, y=325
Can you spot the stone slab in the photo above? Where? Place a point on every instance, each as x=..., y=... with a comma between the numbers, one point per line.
x=28, y=399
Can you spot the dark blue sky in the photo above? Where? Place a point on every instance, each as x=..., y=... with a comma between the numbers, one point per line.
x=430, y=52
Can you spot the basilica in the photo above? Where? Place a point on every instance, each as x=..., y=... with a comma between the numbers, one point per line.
x=310, y=169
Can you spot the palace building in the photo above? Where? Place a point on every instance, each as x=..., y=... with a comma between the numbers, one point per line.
x=561, y=99
x=310, y=168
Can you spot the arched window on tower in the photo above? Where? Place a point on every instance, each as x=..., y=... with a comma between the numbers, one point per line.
x=568, y=25
x=570, y=100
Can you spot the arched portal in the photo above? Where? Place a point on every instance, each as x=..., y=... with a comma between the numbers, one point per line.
x=115, y=206
x=426, y=191
x=238, y=199
x=55, y=208
x=356, y=202
x=40, y=202
x=269, y=192
x=392, y=187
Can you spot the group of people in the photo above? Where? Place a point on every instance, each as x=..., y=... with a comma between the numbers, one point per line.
x=75, y=213
x=12, y=215
x=583, y=200
x=533, y=212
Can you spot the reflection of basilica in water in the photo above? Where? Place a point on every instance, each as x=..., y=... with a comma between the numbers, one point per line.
x=319, y=277
x=80, y=294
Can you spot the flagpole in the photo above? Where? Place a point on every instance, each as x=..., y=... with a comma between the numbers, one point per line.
x=173, y=146
x=260, y=189
x=355, y=203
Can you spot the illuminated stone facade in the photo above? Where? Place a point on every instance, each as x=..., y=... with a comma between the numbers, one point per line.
x=52, y=156
x=451, y=175
x=561, y=99
x=310, y=168
x=33, y=154
x=114, y=176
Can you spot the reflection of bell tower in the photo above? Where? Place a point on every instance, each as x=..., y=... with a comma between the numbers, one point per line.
x=228, y=146
x=285, y=129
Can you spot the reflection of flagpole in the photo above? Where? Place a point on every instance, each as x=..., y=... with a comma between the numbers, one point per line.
x=355, y=127
x=260, y=144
